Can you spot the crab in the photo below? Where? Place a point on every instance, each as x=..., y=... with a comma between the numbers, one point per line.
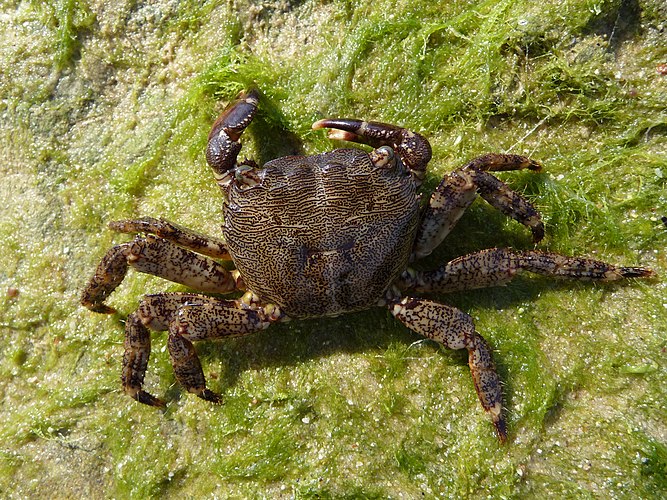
x=323, y=235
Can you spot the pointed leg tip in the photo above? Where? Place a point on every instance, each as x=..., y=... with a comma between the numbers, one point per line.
x=98, y=308
x=534, y=166
x=498, y=418
x=637, y=272
x=538, y=233
x=501, y=430
x=148, y=399
x=208, y=395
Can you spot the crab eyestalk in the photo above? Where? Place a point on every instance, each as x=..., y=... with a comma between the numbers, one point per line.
x=383, y=157
x=223, y=146
x=413, y=149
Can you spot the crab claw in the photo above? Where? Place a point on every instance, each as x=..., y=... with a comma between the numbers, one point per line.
x=413, y=149
x=223, y=146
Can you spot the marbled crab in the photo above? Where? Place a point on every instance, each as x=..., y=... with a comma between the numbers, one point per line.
x=323, y=235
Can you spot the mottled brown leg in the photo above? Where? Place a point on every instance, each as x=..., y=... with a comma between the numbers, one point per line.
x=181, y=236
x=497, y=266
x=108, y=275
x=135, y=360
x=158, y=257
x=188, y=317
x=460, y=188
x=187, y=367
x=456, y=330
x=498, y=162
x=155, y=312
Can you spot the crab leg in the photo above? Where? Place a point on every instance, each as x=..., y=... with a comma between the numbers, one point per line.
x=137, y=350
x=497, y=266
x=223, y=146
x=188, y=317
x=455, y=330
x=159, y=257
x=181, y=236
x=460, y=188
x=413, y=149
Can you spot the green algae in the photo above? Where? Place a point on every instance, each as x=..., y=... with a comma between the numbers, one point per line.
x=106, y=109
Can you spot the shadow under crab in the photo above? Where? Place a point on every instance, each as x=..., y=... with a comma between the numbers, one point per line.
x=323, y=235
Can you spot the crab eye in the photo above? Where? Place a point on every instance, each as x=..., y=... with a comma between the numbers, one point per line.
x=247, y=177
x=383, y=157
